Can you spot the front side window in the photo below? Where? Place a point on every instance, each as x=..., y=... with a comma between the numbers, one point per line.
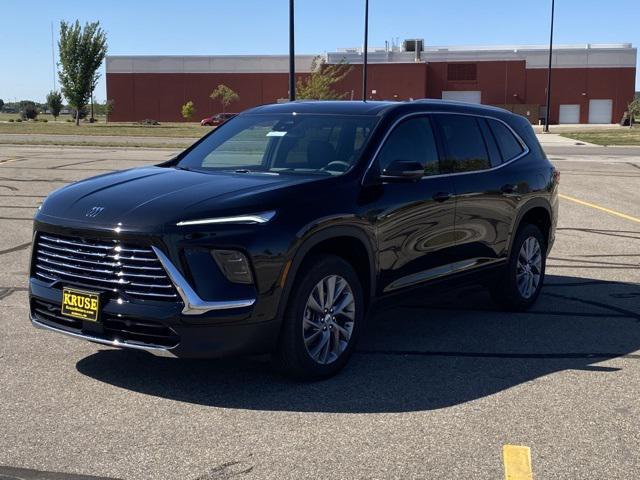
x=412, y=140
x=284, y=143
x=465, y=149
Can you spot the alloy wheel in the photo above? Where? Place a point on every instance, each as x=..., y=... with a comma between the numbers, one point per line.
x=529, y=268
x=328, y=320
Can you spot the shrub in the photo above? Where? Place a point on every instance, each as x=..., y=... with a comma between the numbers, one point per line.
x=149, y=121
x=44, y=120
x=187, y=110
x=28, y=110
x=11, y=120
x=18, y=120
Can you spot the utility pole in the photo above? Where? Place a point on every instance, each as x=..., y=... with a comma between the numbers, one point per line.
x=53, y=58
x=292, y=54
x=365, y=50
x=546, y=121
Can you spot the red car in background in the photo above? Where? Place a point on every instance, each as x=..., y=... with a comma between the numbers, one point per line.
x=217, y=119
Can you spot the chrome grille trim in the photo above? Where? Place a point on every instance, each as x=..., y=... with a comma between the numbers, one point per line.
x=69, y=242
x=106, y=265
x=84, y=277
x=70, y=250
x=67, y=265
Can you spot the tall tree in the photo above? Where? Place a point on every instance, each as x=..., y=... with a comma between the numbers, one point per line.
x=226, y=96
x=82, y=50
x=1, y=104
x=319, y=84
x=54, y=102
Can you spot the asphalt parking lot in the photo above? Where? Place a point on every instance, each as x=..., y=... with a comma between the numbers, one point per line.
x=437, y=387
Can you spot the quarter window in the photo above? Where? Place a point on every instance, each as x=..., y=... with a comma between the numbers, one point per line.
x=465, y=148
x=412, y=140
x=509, y=146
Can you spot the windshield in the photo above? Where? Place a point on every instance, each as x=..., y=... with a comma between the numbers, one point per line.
x=290, y=143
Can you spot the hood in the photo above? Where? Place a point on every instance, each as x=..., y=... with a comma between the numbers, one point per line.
x=154, y=196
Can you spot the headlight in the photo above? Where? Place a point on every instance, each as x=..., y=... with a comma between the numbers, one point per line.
x=255, y=218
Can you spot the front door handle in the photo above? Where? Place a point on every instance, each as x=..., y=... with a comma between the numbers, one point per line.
x=508, y=188
x=441, y=196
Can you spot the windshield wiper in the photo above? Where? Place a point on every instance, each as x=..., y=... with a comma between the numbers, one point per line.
x=259, y=172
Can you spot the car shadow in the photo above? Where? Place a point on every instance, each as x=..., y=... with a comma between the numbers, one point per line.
x=426, y=353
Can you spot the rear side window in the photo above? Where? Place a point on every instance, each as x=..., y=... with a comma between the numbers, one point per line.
x=412, y=140
x=508, y=144
x=465, y=148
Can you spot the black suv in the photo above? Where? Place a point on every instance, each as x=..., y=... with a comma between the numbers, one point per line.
x=276, y=232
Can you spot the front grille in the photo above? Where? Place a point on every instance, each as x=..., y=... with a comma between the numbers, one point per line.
x=104, y=265
x=123, y=329
x=51, y=313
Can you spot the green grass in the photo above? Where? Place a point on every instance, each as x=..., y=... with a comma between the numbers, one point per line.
x=618, y=136
x=61, y=127
x=7, y=116
x=89, y=143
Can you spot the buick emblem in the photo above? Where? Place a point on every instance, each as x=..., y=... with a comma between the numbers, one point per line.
x=94, y=212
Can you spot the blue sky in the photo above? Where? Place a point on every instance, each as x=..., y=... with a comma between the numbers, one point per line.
x=260, y=26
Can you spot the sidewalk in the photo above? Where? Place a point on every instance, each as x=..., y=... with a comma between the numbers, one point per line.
x=555, y=140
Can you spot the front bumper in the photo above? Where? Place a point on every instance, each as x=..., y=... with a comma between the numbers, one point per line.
x=157, y=329
x=198, y=323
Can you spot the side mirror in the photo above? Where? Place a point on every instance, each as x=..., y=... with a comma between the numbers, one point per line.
x=402, y=171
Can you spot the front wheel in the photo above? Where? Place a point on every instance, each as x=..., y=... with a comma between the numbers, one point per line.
x=323, y=319
x=520, y=284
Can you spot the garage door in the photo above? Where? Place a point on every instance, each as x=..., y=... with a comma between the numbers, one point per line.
x=569, y=113
x=600, y=111
x=469, y=96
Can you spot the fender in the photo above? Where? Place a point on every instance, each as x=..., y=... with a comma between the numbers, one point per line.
x=315, y=236
x=522, y=211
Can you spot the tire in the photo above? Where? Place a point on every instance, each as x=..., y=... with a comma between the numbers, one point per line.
x=306, y=326
x=510, y=291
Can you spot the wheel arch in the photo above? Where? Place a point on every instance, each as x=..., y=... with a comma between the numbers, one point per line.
x=351, y=243
x=536, y=211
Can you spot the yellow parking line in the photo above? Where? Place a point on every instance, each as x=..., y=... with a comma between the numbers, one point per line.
x=517, y=462
x=598, y=207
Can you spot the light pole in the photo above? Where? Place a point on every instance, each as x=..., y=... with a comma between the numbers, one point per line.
x=365, y=50
x=546, y=121
x=292, y=54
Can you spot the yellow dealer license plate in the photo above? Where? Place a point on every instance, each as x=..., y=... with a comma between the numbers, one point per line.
x=80, y=304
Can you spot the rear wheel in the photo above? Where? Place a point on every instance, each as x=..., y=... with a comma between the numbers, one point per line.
x=322, y=320
x=520, y=284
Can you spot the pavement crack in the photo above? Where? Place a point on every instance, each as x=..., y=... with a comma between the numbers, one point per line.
x=595, y=262
x=22, y=246
x=226, y=470
x=624, y=311
x=559, y=355
x=6, y=291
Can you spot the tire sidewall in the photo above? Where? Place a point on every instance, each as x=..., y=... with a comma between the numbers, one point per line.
x=512, y=284
x=292, y=341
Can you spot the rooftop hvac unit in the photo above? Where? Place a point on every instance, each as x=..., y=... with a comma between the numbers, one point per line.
x=413, y=45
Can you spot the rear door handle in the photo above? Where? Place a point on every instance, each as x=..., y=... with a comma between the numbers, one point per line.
x=508, y=188
x=441, y=196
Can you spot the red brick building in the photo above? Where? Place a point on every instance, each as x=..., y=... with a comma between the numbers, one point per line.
x=590, y=83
